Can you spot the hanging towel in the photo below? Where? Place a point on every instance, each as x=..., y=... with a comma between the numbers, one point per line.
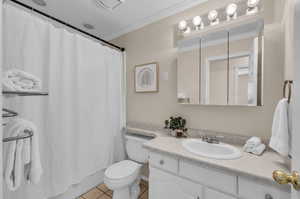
x=18, y=80
x=23, y=158
x=280, y=140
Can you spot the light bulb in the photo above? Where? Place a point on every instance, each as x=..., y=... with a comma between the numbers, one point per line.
x=252, y=3
x=197, y=21
x=182, y=26
x=213, y=17
x=231, y=11
x=252, y=6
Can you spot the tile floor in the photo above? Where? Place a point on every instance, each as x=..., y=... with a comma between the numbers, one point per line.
x=102, y=192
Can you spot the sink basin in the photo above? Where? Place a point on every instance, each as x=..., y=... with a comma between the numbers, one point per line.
x=216, y=151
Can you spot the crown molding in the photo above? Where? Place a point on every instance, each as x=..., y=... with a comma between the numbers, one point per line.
x=185, y=4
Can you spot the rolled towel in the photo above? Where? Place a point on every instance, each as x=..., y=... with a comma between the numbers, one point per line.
x=259, y=149
x=254, y=141
x=18, y=80
x=255, y=146
x=23, y=158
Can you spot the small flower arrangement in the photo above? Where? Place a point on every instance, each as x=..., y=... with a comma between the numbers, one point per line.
x=177, y=125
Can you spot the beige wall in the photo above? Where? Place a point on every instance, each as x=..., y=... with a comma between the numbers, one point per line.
x=155, y=42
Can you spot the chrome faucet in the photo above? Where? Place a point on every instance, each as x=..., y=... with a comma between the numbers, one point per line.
x=211, y=139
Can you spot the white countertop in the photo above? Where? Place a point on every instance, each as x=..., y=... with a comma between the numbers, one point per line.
x=250, y=165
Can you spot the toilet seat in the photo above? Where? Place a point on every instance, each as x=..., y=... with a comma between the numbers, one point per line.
x=121, y=170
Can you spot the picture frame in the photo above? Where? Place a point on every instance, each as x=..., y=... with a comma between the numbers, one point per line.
x=146, y=78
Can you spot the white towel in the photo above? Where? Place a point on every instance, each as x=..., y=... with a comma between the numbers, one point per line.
x=280, y=140
x=18, y=80
x=23, y=158
x=253, y=141
x=255, y=146
x=259, y=149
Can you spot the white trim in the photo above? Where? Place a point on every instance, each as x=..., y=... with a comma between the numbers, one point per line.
x=183, y=5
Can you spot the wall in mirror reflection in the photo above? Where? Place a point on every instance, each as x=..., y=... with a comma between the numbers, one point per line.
x=222, y=68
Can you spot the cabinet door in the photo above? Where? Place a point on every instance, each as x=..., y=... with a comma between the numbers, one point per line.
x=211, y=194
x=163, y=185
x=262, y=190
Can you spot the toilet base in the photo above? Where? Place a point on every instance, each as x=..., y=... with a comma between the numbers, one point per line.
x=130, y=192
x=123, y=193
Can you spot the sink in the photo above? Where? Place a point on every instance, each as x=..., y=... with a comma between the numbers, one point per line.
x=216, y=151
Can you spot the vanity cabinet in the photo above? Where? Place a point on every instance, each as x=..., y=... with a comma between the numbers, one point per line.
x=166, y=185
x=179, y=178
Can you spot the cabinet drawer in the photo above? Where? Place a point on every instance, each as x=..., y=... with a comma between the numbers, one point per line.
x=210, y=177
x=212, y=194
x=248, y=187
x=164, y=162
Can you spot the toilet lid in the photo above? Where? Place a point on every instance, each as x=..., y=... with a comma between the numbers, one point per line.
x=122, y=169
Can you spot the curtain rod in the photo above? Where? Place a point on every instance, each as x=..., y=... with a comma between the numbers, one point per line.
x=66, y=24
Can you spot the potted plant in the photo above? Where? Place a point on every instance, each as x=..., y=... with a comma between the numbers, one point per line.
x=177, y=126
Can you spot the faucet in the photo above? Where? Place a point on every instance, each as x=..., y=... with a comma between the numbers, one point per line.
x=211, y=139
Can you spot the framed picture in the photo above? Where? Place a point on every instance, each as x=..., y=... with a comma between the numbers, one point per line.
x=146, y=78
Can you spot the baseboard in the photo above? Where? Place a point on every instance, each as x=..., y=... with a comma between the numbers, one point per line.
x=87, y=184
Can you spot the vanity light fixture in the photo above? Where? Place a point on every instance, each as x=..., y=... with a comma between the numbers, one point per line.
x=40, y=2
x=197, y=21
x=231, y=11
x=252, y=6
x=213, y=17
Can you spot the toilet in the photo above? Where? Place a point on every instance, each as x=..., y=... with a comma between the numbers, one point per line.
x=123, y=178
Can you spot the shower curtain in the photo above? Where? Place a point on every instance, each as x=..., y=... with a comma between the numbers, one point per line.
x=80, y=122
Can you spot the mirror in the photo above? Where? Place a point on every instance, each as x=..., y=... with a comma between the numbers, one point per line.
x=223, y=67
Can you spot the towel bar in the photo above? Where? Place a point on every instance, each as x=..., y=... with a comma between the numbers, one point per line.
x=28, y=134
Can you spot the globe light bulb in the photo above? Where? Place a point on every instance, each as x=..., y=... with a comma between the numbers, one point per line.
x=231, y=11
x=213, y=17
x=252, y=6
x=197, y=21
x=182, y=26
x=253, y=3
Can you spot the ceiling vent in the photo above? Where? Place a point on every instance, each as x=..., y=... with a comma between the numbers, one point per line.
x=109, y=4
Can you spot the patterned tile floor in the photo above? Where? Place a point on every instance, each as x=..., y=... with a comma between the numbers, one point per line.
x=102, y=192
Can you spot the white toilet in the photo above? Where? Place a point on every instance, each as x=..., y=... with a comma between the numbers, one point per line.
x=124, y=177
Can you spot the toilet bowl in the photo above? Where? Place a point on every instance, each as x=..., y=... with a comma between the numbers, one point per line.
x=123, y=178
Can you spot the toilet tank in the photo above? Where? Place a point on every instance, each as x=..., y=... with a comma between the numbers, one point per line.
x=134, y=147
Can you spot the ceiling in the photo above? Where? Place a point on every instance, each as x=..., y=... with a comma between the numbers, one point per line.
x=129, y=16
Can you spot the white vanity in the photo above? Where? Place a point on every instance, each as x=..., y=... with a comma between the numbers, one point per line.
x=176, y=173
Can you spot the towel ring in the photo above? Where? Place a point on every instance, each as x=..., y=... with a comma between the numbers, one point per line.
x=289, y=84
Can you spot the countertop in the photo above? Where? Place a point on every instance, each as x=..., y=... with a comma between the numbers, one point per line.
x=248, y=165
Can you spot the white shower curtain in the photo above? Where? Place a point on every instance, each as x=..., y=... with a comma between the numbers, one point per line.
x=80, y=122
